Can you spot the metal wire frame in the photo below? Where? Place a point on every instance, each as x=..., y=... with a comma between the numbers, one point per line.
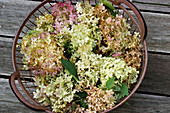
x=25, y=77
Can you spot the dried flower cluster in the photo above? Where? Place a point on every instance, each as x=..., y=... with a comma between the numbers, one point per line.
x=65, y=16
x=57, y=93
x=118, y=40
x=42, y=53
x=99, y=100
x=45, y=22
x=92, y=67
x=83, y=57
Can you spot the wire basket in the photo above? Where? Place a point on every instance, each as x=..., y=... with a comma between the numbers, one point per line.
x=24, y=92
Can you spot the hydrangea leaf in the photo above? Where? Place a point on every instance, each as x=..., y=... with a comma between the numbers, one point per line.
x=108, y=4
x=83, y=104
x=74, y=106
x=111, y=11
x=31, y=32
x=97, y=4
x=123, y=91
x=110, y=83
x=82, y=94
x=116, y=88
x=70, y=67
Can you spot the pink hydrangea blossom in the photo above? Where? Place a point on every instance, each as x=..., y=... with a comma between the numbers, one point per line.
x=116, y=54
x=65, y=15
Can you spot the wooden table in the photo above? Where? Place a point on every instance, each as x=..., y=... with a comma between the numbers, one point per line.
x=153, y=96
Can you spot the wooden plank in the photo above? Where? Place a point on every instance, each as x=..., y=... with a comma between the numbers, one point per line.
x=139, y=103
x=158, y=32
x=156, y=80
x=149, y=7
x=14, y=107
x=12, y=14
x=6, y=67
x=153, y=5
x=144, y=1
x=167, y=2
x=8, y=101
x=142, y=103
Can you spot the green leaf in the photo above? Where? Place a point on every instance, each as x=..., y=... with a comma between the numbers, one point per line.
x=123, y=91
x=111, y=12
x=31, y=32
x=127, y=103
x=83, y=104
x=82, y=94
x=74, y=106
x=110, y=83
x=97, y=4
x=108, y=4
x=70, y=67
x=116, y=88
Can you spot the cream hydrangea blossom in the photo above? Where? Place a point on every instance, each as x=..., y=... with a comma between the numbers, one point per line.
x=59, y=92
x=88, y=69
x=117, y=68
x=92, y=66
x=84, y=38
x=86, y=14
x=86, y=34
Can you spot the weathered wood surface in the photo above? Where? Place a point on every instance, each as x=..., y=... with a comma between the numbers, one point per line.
x=160, y=2
x=158, y=24
x=5, y=56
x=162, y=6
x=153, y=96
x=157, y=78
x=8, y=102
x=152, y=104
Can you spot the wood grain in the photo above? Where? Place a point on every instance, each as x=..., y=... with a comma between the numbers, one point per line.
x=166, y=2
x=147, y=7
x=139, y=103
x=158, y=38
x=8, y=101
x=13, y=14
x=5, y=58
x=158, y=24
x=157, y=78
